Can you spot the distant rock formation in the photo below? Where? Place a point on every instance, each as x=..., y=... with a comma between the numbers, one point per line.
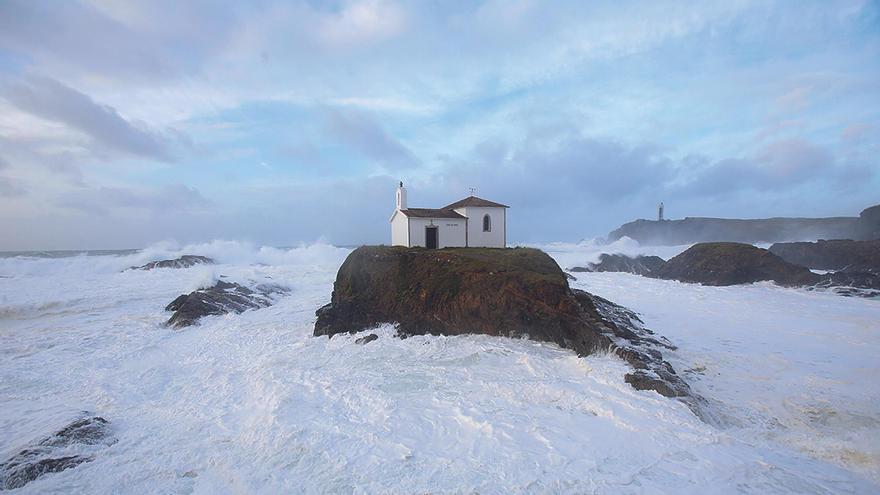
x=696, y=229
x=640, y=265
x=68, y=447
x=516, y=293
x=731, y=263
x=868, y=227
x=222, y=298
x=185, y=261
x=838, y=255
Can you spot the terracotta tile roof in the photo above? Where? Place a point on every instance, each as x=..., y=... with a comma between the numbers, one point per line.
x=474, y=201
x=431, y=213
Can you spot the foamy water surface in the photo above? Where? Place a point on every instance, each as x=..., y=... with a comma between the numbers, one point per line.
x=252, y=403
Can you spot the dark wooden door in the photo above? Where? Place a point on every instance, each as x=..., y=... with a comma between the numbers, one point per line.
x=431, y=237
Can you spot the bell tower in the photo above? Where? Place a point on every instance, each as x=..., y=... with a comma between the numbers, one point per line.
x=401, y=197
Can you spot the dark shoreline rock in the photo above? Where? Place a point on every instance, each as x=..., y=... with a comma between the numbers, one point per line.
x=838, y=255
x=185, y=261
x=731, y=263
x=518, y=293
x=639, y=265
x=728, y=263
x=56, y=452
x=366, y=339
x=222, y=298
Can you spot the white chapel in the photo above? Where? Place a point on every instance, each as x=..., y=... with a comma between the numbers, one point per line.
x=471, y=222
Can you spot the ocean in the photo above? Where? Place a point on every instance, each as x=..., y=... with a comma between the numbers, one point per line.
x=253, y=403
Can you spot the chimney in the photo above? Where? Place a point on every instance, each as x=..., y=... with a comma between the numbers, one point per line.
x=401, y=197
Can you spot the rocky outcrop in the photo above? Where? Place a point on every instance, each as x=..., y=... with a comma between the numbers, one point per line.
x=640, y=265
x=517, y=293
x=868, y=227
x=859, y=284
x=76, y=443
x=222, y=298
x=185, y=261
x=838, y=255
x=730, y=263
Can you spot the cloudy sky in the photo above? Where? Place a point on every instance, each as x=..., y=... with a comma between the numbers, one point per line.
x=124, y=123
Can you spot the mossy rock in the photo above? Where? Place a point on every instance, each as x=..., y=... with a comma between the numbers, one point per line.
x=732, y=263
x=518, y=292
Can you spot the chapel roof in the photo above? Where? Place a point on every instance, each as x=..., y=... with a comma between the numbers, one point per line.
x=474, y=201
x=431, y=213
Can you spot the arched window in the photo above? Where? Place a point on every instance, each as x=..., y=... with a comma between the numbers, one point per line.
x=487, y=223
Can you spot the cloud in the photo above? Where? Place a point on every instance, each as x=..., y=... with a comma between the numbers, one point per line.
x=105, y=200
x=793, y=160
x=363, y=21
x=856, y=132
x=10, y=188
x=794, y=101
x=52, y=100
x=76, y=36
x=779, y=165
x=543, y=171
x=360, y=131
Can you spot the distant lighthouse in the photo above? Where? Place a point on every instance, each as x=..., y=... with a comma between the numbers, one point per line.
x=660, y=212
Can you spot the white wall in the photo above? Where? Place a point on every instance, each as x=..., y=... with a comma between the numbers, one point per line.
x=450, y=232
x=475, y=235
x=399, y=232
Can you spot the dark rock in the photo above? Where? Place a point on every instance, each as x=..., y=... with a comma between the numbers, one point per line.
x=730, y=263
x=640, y=265
x=184, y=261
x=841, y=255
x=858, y=284
x=222, y=298
x=61, y=450
x=517, y=292
x=868, y=227
x=367, y=339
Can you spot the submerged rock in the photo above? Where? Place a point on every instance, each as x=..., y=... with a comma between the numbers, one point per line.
x=517, y=292
x=366, y=339
x=61, y=450
x=839, y=255
x=222, y=298
x=730, y=263
x=184, y=261
x=640, y=265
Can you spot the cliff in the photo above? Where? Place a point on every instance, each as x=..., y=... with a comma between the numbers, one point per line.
x=697, y=229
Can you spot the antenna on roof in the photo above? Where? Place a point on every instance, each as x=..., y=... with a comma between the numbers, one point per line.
x=473, y=190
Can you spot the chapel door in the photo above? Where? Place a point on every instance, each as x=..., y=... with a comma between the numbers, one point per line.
x=431, y=237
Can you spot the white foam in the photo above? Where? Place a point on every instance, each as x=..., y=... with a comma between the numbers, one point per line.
x=252, y=403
